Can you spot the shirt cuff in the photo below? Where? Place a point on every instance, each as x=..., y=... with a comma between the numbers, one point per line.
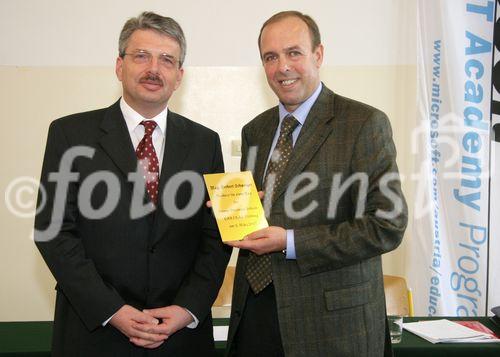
x=290, y=244
x=193, y=324
x=106, y=322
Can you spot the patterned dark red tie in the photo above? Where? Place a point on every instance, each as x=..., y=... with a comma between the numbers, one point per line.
x=148, y=161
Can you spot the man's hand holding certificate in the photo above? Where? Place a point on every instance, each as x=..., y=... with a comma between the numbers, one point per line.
x=236, y=204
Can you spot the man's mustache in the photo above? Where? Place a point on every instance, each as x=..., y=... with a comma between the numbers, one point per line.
x=151, y=78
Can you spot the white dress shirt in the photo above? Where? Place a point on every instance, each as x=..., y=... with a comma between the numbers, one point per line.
x=136, y=130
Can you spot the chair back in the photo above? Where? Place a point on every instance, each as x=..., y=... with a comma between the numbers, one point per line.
x=226, y=290
x=396, y=296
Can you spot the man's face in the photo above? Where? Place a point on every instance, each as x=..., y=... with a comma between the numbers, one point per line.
x=148, y=84
x=290, y=63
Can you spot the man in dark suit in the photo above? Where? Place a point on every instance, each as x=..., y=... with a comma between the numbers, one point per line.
x=311, y=283
x=138, y=262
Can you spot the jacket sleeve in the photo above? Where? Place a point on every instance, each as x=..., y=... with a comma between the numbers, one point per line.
x=57, y=239
x=332, y=246
x=200, y=288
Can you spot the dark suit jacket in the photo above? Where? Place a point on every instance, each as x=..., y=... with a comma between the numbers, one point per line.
x=330, y=300
x=153, y=261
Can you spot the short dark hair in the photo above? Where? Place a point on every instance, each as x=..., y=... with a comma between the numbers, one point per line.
x=151, y=21
x=311, y=25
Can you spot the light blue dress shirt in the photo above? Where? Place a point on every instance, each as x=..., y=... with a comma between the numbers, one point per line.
x=300, y=114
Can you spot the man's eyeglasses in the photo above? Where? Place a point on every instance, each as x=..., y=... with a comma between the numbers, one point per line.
x=143, y=57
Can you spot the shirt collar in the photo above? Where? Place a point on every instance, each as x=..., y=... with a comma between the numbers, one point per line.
x=133, y=119
x=303, y=110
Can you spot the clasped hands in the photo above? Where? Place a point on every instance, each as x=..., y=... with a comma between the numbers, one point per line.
x=151, y=327
x=266, y=240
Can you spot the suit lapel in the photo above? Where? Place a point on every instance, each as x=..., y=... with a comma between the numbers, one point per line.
x=177, y=144
x=266, y=135
x=311, y=137
x=116, y=141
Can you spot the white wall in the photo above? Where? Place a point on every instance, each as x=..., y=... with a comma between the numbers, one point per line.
x=219, y=33
x=56, y=58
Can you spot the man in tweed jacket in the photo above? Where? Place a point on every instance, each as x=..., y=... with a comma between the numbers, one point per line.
x=323, y=245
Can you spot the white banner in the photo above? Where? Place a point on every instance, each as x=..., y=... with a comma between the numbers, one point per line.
x=448, y=266
x=494, y=243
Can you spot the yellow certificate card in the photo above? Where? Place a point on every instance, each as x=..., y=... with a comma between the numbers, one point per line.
x=236, y=204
